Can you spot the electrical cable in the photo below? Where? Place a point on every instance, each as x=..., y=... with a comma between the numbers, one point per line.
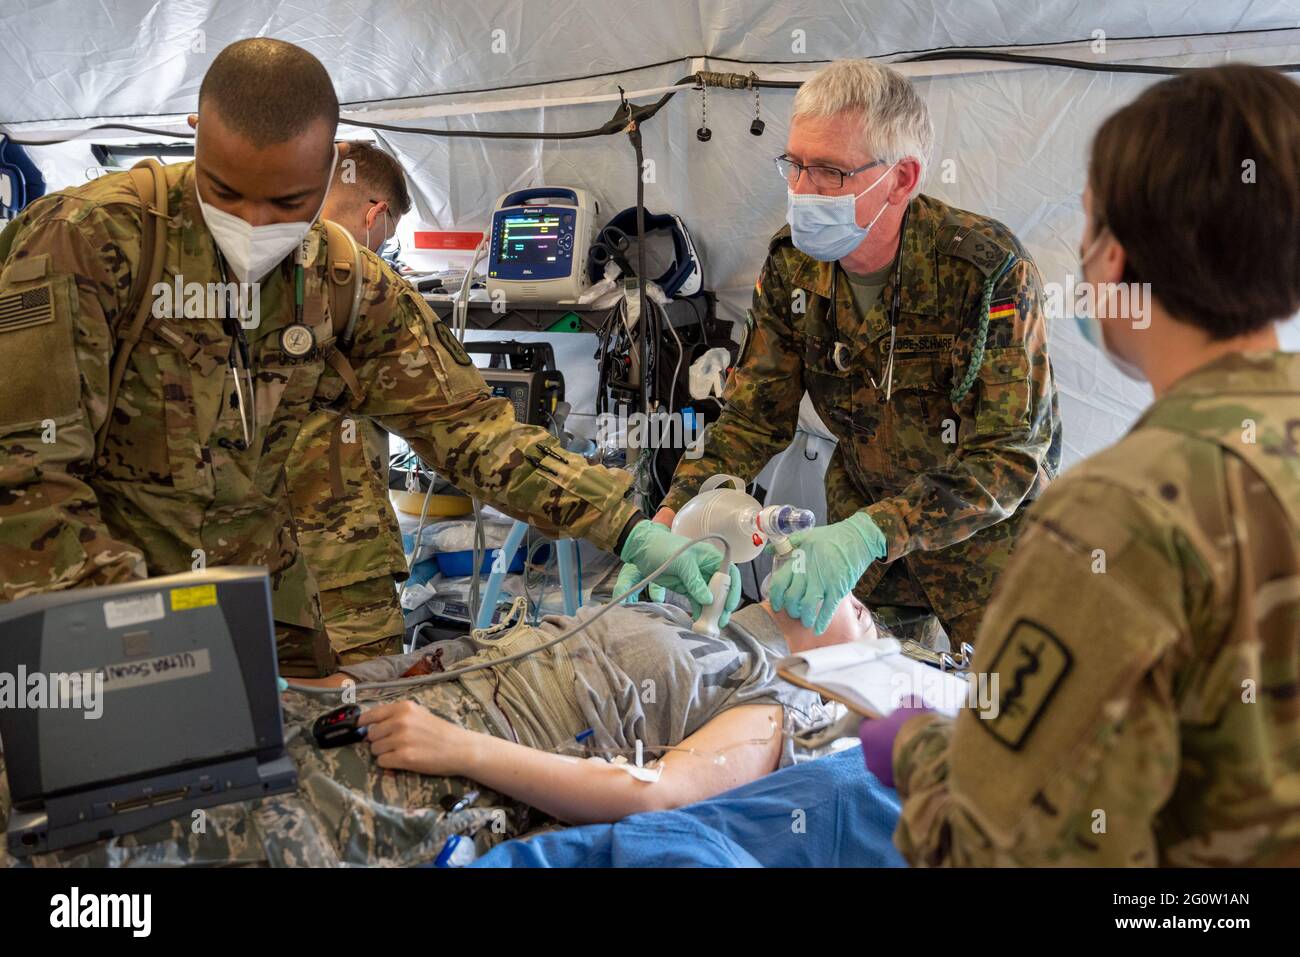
x=1088, y=65
x=517, y=656
x=699, y=315
x=480, y=546
x=734, y=81
x=419, y=530
x=681, y=354
x=951, y=52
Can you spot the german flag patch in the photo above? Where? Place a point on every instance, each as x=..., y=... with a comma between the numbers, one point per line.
x=1004, y=309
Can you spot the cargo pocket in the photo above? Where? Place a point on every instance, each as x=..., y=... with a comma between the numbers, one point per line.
x=285, y=391
x=1004, y=392
x=923, y=426
x=185, y=458
x=284, y=403
x=442, y=354
x=832, y=391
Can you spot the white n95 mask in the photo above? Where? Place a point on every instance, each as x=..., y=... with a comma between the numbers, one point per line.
x=253, y=251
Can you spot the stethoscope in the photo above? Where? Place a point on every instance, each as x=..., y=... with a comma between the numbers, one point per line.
x=296, y=341
x=239, y=360
x=840, y=351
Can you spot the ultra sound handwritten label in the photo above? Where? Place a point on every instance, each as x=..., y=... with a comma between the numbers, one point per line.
x=133, y=674
x=122, y=612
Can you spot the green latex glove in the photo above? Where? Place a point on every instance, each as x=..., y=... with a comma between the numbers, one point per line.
x=650, y=544
x=825, y=565
x=628, y=576
x=733, y=599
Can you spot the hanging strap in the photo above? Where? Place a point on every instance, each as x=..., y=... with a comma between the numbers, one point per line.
x=346, y=281
x=150, y=183
x=344, y=268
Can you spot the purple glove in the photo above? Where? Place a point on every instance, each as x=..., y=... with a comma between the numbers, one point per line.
x=878, y=734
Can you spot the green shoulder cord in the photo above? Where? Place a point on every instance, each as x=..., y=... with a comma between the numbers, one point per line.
x=981, y=337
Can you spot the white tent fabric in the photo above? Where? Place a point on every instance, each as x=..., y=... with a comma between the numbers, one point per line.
x=1011, y=139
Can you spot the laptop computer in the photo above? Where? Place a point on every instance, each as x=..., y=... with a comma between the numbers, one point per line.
x=127, y=705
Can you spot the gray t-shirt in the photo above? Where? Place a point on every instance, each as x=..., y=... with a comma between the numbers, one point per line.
x=867, y=287
x=638, y=672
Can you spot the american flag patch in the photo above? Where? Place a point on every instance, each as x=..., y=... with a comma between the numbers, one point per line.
x=18, y=310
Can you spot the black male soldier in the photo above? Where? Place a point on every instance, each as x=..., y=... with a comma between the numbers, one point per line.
x=930, y=368
x=184, y=467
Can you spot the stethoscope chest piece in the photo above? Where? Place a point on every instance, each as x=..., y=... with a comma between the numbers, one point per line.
x=297, y=340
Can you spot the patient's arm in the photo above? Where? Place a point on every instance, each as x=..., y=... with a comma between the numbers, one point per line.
x=574, y=789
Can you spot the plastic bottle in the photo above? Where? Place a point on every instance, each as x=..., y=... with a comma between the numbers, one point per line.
x=459, y=851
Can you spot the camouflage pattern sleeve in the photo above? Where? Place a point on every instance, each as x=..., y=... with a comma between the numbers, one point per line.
x=421, y=384
x=1074, y=749
x=60, y=291
x=1002, y=428
x=760, y=401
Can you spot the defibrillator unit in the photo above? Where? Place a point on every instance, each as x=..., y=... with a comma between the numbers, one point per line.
x=530, y=382
x=539, y=243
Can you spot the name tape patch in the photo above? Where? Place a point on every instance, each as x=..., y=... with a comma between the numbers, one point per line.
x=919, y=343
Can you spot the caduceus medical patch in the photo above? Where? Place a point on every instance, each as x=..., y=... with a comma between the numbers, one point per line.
x=1030, y=667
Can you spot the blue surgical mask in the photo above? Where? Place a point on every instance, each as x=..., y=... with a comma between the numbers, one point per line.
x=826, y=227
x=1089, y=326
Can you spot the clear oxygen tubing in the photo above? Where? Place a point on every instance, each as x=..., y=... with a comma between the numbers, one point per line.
x=460, y=316
x=459, y=322
x=577, y=749
x=419, y=528
x=508, y=659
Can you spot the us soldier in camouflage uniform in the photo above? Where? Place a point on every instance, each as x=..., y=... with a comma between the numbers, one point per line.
x=177, y=484
x=970, y=431
x=1146, y=633
x=337, y=473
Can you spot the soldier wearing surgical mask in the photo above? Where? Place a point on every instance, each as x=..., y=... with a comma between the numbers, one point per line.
x=123, y=458
x=369, y=195
x=337, y=473
x=917, y=331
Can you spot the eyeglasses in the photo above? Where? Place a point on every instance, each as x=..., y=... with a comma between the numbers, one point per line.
x=823, y=177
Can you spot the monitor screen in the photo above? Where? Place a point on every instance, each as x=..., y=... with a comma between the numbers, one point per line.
x=529, y=238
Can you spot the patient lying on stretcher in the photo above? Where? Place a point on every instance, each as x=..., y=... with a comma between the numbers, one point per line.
x=507, y=750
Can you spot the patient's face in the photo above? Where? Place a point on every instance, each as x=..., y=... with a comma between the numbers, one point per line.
x=852, y=621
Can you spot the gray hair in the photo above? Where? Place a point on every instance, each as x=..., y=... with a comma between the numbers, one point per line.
x=895, y=120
